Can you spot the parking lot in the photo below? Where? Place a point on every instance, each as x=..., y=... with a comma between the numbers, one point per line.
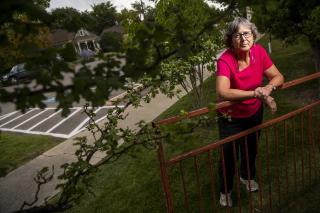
x=48, y=121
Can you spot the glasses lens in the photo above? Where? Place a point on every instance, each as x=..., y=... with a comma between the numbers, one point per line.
x=246, y=34
x=239, y=35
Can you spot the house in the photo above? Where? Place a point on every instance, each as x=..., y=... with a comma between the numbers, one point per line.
x=82, y=40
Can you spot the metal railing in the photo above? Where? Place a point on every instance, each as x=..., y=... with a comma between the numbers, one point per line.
x=287, y=162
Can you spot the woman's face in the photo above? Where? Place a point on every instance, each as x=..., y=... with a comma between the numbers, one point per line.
x=243, y=39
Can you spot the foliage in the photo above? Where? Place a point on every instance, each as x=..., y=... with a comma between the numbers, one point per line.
x=19, y=46
x=111, y=42
x=42, y=3
x=290, y=19
x=88, y=22
x=189, y=72
x=104, y=15
x=67, y=18
x=68, y=53
x=43, y=177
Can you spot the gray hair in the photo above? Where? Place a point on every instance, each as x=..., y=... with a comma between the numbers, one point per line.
x=233, y=27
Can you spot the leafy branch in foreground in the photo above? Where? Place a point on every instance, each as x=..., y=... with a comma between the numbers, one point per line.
x=42, y=178
x=111, y=142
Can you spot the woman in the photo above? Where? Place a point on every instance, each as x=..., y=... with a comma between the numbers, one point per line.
x=240, y=71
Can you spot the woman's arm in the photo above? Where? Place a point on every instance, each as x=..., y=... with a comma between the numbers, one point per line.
x=275, y=78
x=224, y=92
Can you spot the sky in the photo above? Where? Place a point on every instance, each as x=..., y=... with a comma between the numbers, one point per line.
x=83, y=5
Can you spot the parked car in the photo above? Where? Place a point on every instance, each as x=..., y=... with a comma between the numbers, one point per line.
x=17, y=74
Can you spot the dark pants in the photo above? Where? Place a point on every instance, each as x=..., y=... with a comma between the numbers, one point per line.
x=228, y=128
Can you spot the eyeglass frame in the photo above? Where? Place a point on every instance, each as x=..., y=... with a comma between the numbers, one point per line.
x=238, y=36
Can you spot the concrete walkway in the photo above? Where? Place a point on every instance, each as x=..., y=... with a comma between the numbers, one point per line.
x=19, y=186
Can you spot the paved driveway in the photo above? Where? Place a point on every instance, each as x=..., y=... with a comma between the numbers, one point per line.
x=48, y=121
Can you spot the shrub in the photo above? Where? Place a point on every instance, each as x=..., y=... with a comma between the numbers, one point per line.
x=68, y=53
x=111, y=42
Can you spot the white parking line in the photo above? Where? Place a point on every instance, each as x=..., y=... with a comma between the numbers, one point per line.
x=17, y=117
x=97, y=121
x=36, y=115
x=76, y=130
x=7, y=115
x=63, y=120
x=34, y=126
x=36, y=133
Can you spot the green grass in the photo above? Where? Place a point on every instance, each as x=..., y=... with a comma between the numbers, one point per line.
x=133, y=184
x=308, y=202
x=17, y=149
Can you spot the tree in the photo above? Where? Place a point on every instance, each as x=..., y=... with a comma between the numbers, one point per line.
x=21, y=33
x=188, y=66
x=105, y=15
x=111, y=42
x=189, y=72
x=66, y=18
x=44, y=4
x=289, y=19
x=88, y=21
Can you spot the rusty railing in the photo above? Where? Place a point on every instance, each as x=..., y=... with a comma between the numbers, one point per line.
x=288, y=162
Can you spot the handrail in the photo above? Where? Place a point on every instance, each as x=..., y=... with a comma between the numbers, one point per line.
x=223, y=104
x=210, y=146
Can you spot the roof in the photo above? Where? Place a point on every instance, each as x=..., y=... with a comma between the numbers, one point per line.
x=90, y=36
x=60, y=37
x=115, y=28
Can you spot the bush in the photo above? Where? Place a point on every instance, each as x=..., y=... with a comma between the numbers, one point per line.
x=68, y=53
x=111, y=42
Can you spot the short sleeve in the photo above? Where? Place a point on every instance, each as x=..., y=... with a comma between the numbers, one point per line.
x=266, y=61
x=223, y=69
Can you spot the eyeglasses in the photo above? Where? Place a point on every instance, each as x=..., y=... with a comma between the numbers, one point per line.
x=244, y=34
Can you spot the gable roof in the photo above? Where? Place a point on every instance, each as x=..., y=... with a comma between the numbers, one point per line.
x=84, y=35
x=61, y=36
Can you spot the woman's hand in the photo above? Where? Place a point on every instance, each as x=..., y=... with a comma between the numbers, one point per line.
x=262, y=92
x=271, y=103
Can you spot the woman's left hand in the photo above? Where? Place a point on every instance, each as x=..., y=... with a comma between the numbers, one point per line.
x=270, y=102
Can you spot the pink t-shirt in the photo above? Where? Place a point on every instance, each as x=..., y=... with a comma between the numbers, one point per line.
x=247, y=79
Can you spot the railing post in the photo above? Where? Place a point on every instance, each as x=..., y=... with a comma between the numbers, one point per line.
x=164, y=178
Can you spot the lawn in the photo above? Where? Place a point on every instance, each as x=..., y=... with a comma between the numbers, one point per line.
x=132, y=184
x=17, y=149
